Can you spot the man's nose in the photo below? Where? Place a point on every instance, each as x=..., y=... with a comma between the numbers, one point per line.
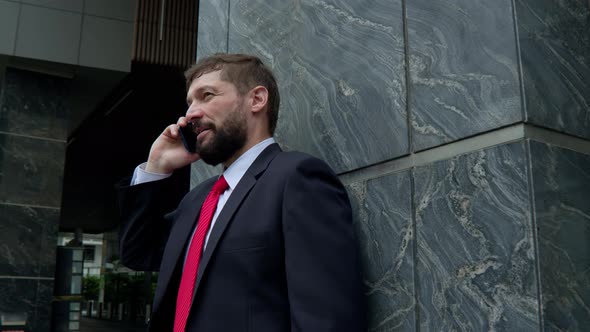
x=193, y=112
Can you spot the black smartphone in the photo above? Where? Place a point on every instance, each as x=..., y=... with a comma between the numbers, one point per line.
x=189, y=138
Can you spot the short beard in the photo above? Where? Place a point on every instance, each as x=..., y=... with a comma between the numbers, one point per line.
x=227, y=140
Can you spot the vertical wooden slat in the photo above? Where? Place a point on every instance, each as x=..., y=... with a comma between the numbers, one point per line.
x=135, y=42
x=172, y=31
x=160, y=26
x=184, y=31
x=188, y=32
x=146, y=30
x=136, y=34
x=154, y=31
x=176, y=40
x=165, y=44
x=173, y=27
x=163, y=26
x=157, y=28
x=194, y=32
x=142, y=35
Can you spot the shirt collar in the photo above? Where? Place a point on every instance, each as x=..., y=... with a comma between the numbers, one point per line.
x=233, y=174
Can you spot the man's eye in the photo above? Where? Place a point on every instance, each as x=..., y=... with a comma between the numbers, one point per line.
x=207, y=95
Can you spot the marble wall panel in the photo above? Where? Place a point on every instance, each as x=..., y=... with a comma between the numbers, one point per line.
x=463, y=69
x=34, y=104
x=555, y=52
x=18, y=297
x=27, y=240
x=212, y=29
x=561, y=182
x=43, y=304
x=341, y=72
x=47, y=255
x=2, y=79
x=384, y=228
x=201, y=172
x=31, y=170
x=475, y=253
x=212, y=38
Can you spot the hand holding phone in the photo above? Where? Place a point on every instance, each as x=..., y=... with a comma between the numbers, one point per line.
x=189, y=138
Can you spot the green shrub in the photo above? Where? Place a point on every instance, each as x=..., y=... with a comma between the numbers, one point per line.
x=90, y=287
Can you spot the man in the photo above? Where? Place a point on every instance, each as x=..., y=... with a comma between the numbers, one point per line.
x=267, y=246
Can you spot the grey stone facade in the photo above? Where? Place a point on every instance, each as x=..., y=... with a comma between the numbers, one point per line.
x=461, y=129
x=32, y=155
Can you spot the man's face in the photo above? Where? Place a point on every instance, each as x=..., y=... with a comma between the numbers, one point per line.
x=219, y=117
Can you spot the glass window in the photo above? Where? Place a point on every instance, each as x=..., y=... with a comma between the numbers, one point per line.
x=77, y=255
x=75, y=306
x=77, y=267
x=89, y=253
x=76, y=285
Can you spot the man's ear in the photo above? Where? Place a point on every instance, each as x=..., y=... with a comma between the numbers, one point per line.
x=259, y=98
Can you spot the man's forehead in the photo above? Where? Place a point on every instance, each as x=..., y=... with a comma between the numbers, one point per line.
x=209, y=81
x=207, y=78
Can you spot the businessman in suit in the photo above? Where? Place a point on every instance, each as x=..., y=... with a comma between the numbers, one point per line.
x=268, y=246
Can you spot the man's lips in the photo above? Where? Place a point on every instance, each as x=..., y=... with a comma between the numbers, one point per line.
x=201, y=130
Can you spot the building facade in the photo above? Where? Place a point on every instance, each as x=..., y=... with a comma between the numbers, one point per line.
x=461, y=129
x=58, y=59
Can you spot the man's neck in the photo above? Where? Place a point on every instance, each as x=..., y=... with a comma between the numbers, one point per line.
x=251, y=143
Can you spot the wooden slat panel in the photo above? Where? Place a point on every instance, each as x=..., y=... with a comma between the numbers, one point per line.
x=178, y=44
x=153, y=30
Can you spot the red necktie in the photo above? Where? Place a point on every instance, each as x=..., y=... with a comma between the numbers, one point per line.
x=191, y=266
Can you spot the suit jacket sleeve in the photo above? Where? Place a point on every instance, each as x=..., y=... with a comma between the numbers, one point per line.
x=322, y=265
x=145, y=211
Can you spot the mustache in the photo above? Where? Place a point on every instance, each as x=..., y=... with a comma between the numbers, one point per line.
x=198, y=126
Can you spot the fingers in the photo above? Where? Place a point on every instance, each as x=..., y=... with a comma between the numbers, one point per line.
x=182, y=121
x=171, y=131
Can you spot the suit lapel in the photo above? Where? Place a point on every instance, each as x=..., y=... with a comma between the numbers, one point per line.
x=237, y=196
x=179, y=237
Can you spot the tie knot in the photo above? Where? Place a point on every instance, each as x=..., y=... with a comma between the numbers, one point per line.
x=220, y=186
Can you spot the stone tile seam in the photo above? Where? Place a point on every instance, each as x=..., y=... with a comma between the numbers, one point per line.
x=33, y=137
x=447, y=151
x=407, y=76
x=81, y=32
x=30, y=206
x=523, y=103
x=83, y=13
x=27, y=278
x=486, y=140
x=62, y=70
x=534, y=231
x=20, y=9
x=552, y=137
x=228, y=26
x=415, y=276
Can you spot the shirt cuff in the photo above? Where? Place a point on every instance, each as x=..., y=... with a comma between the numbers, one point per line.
x=140, y=175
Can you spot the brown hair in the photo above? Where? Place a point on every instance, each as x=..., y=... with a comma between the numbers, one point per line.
x=245, y=72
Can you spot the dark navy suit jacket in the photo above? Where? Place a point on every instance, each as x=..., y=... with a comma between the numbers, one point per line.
x=281, y=256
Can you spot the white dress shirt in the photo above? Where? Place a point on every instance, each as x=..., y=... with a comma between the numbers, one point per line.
x=233, y=174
